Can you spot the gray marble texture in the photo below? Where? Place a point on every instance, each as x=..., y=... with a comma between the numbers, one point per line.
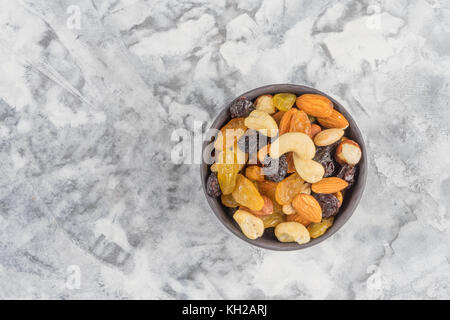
x=91, y=205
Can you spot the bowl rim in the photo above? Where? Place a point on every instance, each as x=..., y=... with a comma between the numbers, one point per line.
x=361, y=178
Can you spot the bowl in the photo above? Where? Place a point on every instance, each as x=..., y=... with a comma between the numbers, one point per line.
x=352, y=195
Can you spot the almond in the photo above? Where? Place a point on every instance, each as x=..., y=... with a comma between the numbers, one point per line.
x=265, y=103
x=315, y=129
x=335, y=120
x=348, y=152
x=340, y=197
x=298, y=218
x=315, y=105
x=328, y=136
x=307, y=207
x=329, y=185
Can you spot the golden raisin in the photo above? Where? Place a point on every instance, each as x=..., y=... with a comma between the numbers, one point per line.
x=267, y=188
x=246, y=194
x=318, y=229
x=241, y=157
x=273, y=220
x=288, y=189
x=300, y=123
x=266, y=210
x=284, y=101
x=228, y=201
x=254, y=173
x=285, y=123
x=227, y=170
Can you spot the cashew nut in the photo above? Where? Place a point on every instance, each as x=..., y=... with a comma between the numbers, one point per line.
x=262, y=122
x=252, y=227
x=309, y=170
x=265, y=103
x=306, y=189
x=297, y=142
x=288, y=209
x=292, y=232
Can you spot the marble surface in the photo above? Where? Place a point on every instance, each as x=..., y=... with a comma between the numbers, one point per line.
x=92, y=206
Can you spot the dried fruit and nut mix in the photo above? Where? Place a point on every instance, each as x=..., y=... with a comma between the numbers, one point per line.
x=284, y=162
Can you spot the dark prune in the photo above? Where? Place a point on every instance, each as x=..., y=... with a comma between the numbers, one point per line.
x=332, y=147
x=241, y=108
x=322, y=154
x=252, y=141
x=328, y=165
x=325, y=158
x=329, y=204
x=347, y=173
x=212, y=186
x=275, y=169
x=325, y=153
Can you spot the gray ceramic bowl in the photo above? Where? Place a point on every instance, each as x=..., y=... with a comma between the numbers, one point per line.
x=352, y=196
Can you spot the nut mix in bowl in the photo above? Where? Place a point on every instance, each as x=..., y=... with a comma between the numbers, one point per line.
x=283, y=164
